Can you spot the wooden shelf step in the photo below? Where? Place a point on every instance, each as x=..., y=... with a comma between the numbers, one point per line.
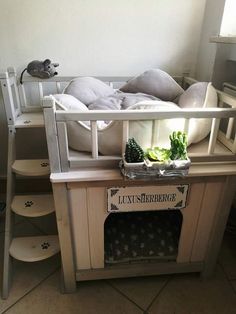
x=30, y=120
x=31, y=167
x=33, y=205
x=33, y=249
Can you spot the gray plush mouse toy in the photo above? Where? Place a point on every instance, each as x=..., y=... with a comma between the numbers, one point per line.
x=42, y=69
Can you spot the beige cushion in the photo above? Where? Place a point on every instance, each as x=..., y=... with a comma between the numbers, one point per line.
x=82, y=141
x=110, y=136
x=199, y=95
x=154, y=82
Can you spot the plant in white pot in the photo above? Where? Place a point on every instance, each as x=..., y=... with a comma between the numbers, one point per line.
x=157, y=158
x=133, y=165
x=134, y=154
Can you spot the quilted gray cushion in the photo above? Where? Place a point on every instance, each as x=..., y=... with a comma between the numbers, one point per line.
x=119, y=101
x=112, y=102
x=154, y=82
x=88, y=89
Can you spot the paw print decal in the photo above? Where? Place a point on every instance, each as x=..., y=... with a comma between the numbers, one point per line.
x=45, y=245
x=44, y=164
x=28, y=203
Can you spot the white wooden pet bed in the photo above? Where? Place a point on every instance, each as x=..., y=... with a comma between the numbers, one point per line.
x=84, y=184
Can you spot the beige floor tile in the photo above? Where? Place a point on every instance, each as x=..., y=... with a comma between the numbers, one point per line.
x=140, y=290
x=26, y=275
x=95, y=297
x=188, y=294
x=227, y=256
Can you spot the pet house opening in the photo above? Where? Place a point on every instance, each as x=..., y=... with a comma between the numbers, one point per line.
x=142, y=236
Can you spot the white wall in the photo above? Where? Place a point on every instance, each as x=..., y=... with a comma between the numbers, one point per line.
x=210, y=27
x=228, y=26
x=212, y=62
x=100, y=37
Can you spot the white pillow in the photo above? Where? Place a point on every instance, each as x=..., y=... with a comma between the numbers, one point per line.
x=152, y=133
x=199, y=95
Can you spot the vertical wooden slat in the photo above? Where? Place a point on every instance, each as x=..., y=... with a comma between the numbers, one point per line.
x=8, y=100
x=40, y=85
x=125, y=135
x=155, y=125
x=96, y=198
x=23, y=95
x=12, y=74
x=51, y=134
x=230, y=128
x=209, y=204
x=189, y=223
x=7, y=263
x=63, y=145
x=62, y=210
x=94, y=139
x=234, y=144
x=213, y=136
x=218, y=225
x=79, y=225
x=58, y=85
x=186, y=125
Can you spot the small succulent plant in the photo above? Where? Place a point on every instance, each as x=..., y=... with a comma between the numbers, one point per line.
x=133, y=152
x=178, y=145
x=158, y=154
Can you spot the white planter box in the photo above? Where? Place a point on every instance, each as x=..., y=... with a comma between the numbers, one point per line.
x=149, y=169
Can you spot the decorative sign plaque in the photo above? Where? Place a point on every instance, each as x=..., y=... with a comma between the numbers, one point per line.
x=141, y=198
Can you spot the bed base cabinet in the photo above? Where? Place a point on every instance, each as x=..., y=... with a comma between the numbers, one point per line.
x=203, y=221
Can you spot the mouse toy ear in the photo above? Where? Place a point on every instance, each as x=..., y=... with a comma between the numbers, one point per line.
x=46, y=62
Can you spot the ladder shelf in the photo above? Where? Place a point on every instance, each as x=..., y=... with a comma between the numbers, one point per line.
x=31, y=167
x=30, y=248
x=33, y=249
x=30, y=120
x=33, y=205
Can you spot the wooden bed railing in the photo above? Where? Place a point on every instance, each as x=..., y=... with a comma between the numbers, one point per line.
x=57, y=132
x=18, y=100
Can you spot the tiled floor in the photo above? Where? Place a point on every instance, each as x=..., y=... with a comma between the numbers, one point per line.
x=36, y=287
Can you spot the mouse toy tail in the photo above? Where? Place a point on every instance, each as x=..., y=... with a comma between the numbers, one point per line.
x=21, y=76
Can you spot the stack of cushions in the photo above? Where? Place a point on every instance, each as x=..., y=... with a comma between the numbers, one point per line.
x=152, y=90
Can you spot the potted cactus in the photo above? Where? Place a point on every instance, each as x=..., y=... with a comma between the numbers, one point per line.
x=134, y=153
x=133, y=162
x=178, y=150
x=178, y=146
